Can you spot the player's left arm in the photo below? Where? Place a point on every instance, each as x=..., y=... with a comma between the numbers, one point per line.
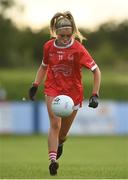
x=97, y=80
x=87, y=61
x=93, y=101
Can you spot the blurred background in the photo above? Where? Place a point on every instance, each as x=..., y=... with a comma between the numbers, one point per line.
x=24, y=28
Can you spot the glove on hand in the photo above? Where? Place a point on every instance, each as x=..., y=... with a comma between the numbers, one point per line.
x=32, y=91
x=93, y=101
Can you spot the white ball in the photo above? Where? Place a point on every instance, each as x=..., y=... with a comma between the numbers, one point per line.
x=62, y=105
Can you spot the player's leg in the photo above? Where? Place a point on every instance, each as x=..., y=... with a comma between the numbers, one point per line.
x=55, y=124
x=65, y=126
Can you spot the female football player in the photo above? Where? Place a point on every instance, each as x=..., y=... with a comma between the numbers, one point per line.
x=63, y=59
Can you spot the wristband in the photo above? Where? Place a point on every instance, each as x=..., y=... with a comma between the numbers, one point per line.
x=94, y=94
x=35, y=84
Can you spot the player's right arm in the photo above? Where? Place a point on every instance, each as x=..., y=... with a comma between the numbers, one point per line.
x=40, y=75
x=44, y=65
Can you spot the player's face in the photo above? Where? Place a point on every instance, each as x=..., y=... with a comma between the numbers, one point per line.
x=64, y=36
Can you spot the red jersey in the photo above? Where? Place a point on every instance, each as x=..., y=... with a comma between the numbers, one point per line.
x=64, y=69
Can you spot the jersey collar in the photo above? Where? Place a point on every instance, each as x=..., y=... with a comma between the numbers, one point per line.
x=63, y=47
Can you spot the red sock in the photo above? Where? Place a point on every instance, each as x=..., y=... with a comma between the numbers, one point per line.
x=52, y=155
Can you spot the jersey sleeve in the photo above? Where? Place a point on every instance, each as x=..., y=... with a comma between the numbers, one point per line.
x=45, y=55
x=86, y=59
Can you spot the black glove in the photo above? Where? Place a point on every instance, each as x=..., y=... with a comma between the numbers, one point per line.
x=32, y=91
x=93, y=101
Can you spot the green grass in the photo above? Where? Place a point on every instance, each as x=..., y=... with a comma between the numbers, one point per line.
x=16, y=82
x=25, y=157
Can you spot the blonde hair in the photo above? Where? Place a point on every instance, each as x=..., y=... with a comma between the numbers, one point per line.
x=63, y=20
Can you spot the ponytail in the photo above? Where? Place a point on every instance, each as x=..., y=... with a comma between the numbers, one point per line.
x=63, y=20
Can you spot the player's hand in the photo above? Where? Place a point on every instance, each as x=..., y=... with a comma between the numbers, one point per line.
x=93, y=101
x=32, y=91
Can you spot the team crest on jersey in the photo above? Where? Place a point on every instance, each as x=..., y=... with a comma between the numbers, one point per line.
x=70, y=57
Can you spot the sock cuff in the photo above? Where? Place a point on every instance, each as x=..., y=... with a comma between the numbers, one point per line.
x=52, y=152
x=52, y=155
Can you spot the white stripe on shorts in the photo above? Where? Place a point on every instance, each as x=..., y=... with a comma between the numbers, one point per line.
x=76, y=107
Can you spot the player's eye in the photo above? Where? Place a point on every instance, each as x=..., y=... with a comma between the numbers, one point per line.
x=65, y=35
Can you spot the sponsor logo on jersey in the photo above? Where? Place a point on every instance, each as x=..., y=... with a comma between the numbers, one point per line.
x=62, y=68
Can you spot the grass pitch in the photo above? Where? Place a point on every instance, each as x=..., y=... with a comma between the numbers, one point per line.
x=25, y=157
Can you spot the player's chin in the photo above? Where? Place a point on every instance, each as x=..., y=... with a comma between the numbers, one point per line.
x=66, y=42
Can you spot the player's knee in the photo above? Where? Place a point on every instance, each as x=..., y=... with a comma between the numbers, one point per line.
x=55, y=125
x=62, y=136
